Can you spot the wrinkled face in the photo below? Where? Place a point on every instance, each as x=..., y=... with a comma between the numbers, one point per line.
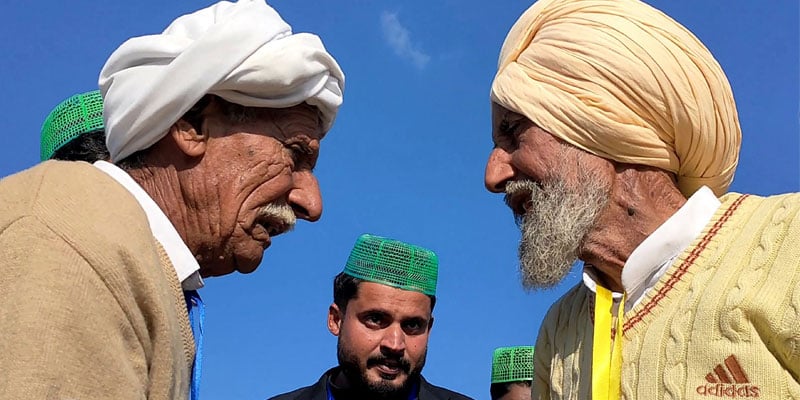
x=556, y=191
x=258, y=178
x=383, y=338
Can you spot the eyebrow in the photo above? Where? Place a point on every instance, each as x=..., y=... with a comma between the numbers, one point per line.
x=374, y=311
x=387, y=313
x=421, y=320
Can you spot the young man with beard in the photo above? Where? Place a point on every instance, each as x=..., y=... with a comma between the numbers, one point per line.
x=382, y=314
x=616, y=138
x=214, y=127
x=74, y=130
x=512, y=373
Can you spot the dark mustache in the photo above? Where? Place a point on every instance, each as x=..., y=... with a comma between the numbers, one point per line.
x=401, y=362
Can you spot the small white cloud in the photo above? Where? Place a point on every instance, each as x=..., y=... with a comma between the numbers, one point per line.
x=398, y=37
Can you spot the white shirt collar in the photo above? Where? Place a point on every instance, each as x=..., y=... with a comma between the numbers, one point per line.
x=650, y=260
x=590, y=281
x=186, y=266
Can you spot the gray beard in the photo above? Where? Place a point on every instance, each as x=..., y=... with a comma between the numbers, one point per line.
x=555, y=226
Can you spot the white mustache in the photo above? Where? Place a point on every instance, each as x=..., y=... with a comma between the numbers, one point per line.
x=279, y=211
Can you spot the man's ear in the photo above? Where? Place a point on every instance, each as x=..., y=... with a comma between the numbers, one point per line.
x=335, y=317
x=188, y=139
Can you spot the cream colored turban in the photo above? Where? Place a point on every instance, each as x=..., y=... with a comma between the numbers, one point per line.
x=623, y=81
x=243, y=52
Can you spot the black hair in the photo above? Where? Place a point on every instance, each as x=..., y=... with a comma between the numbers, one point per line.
x=498, y=390
x=89, y=147
x=345, y=288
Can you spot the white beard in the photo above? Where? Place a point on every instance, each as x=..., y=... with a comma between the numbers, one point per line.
x=553, y=229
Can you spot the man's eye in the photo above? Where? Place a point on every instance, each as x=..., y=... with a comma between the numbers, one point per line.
x=301, y=154
x=414, y=327
x=373, y=320
x=507, y=133
x=509, y=128
x=298, y=150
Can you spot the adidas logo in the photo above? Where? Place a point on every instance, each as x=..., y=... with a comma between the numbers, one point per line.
x=728, y=381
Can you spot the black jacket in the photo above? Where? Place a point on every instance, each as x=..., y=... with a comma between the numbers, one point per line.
x=319, y=391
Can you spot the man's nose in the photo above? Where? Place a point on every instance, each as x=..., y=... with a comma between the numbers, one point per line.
x=499, y=171
x=394, y=339
x=305, y=197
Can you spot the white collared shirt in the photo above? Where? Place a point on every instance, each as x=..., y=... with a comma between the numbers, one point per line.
x=650, y=260
x=186, y=266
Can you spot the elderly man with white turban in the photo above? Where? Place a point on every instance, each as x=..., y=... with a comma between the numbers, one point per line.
x=214, y=127
x=616, y=138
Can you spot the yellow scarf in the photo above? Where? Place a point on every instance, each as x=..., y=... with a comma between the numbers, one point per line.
x=606, y=363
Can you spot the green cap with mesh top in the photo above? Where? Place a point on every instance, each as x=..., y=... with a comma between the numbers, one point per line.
x=512, y=364
x=79, y=114
x=393, y=263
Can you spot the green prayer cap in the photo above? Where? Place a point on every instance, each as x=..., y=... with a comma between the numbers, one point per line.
x=79, y=114
x=512, y=364
x=393, y=263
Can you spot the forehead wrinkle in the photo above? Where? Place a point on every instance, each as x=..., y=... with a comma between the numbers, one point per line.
x=287, y=127
x=302, y=126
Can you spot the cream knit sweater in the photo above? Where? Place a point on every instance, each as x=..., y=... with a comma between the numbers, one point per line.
x=723, y=322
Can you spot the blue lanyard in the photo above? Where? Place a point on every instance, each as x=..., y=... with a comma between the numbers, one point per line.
x=328, y=387
x=197, y=313
x=412, y=395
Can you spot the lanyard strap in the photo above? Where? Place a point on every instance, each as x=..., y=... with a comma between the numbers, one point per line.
x=606, y=363
x=197, y=314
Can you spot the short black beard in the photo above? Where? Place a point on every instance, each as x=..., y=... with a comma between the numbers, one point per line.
x=361, y=388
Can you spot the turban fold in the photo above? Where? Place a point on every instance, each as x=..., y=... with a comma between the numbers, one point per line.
x=243, y=52
x=623, y=81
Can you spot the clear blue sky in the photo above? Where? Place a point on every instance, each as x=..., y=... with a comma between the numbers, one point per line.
x=405, y=159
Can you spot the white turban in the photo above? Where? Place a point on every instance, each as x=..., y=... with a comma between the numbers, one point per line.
x=621, y=80
x=243, y=52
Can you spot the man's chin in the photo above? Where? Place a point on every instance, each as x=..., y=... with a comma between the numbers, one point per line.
x=539, y=279
x=246, y=264
x=207, y=272
x=243, y=265
x=387, y=383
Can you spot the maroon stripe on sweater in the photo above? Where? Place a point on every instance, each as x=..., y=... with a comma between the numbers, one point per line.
x=676, y=277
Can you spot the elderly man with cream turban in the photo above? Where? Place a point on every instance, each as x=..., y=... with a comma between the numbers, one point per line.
x=214, y=127
x=616, y=138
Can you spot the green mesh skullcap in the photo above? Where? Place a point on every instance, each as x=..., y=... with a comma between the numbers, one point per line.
x=393, y=263
x=79, y=114
x=512, y=364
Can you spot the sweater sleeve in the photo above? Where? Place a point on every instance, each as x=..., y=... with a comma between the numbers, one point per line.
x=787, y=333
x=542, y=358
x=64, y=335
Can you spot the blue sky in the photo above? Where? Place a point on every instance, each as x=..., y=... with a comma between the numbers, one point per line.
x=405, y=159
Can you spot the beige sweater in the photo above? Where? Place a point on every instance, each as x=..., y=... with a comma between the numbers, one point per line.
x=90, y=306
x=723, y=322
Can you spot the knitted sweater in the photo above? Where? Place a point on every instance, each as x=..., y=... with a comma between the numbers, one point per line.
x=723, y=321
x=90, y=306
